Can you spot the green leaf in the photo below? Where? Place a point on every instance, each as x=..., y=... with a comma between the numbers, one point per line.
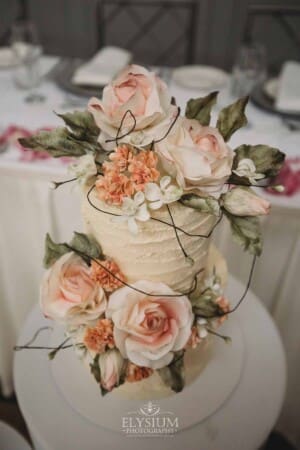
x=86, y=246
x=207, y=205
x=205, y=305
x=200, y=108
x=95, y=370
x=232, y=118
x=267, y=160
x=53, y=251
x=82, y=124
x=246, y=232
x=57, y=143
x=173, y=374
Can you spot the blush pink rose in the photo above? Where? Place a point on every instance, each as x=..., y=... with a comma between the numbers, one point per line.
x=148, y=330
x=145, y=95
x=68, y=293
x=111, y=365
x=196, y=156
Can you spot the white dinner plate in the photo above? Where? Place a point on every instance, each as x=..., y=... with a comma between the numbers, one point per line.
x=270, y=88
x=200, y=77
x=10, y=439
x=7, y=58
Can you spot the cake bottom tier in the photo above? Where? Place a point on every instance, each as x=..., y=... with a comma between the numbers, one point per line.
x=153, y=388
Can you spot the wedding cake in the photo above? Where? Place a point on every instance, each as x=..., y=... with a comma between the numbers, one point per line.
x=141, y=291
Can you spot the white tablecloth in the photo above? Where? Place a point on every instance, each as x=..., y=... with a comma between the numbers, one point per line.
x=29, y=209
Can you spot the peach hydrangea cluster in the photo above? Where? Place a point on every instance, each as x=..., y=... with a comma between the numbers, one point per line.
x=224, y=305
x=136, y=373
x=126, y=173
x=194, y=339
x=100, y=337
x=110, y=279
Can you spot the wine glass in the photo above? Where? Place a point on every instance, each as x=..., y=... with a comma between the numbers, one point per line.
x=249, y=69
x=27, y=49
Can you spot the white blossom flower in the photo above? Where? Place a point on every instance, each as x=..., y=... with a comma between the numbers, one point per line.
x=246, y=168
x=132, y=210
x=212, y=282
x=84, y=168
x=163, y=194
x=202, y=328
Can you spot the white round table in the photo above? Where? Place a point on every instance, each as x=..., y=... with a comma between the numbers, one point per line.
x=243, y=422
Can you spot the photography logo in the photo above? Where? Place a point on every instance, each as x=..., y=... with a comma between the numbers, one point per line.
x=150, y=420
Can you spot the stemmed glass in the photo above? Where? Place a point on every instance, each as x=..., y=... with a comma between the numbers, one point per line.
x=27, y=49
x=249, y=69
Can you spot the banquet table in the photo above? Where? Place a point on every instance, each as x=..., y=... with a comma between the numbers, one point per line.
x=29, y=209
x=241, y=422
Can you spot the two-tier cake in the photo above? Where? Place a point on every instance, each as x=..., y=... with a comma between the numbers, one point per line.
x=140, y=292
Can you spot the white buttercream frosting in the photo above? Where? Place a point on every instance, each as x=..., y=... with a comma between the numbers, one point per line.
x=154, y=253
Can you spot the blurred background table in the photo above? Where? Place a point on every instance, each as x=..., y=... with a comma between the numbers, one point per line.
x=227, y=428
x=29, y=209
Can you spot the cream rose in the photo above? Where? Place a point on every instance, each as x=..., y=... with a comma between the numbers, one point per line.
x=111, y=365
x=148, y=330
x=145, y=95
x=196, y=156
x=69, y=295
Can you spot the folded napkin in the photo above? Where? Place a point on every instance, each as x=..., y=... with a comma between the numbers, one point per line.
x=103, y=67
x=288, y=177
x=288, y=97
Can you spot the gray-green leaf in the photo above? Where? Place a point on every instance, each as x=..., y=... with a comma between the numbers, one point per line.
x=95, y=371
x=205, y=304
x=232, y=118
x=173, y=374
x=267, y=160
x=200, y=108
x=53, y=251
x=82, y=124
x=86, y=246
x=246, y=232
x=207, y=204
x=57, y=143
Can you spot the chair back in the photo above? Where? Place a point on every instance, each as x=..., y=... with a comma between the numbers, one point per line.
x=278, y=28
x=156, y=32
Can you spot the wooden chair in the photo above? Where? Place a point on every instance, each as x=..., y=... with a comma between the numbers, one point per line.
x=156, y=32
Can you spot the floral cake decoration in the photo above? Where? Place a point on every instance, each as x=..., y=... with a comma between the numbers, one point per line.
x=137, y=152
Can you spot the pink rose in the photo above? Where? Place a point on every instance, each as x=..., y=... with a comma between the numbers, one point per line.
x=145, y=95
x=148, y=330
x=68, y=293
x=243, y=201
x=196, y=156
x=111, y=365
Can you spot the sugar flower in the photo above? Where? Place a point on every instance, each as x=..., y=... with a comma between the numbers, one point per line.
x=109, y=281
x=246, y=168
x=197, y=156
x=202, y=328
x=165, y=193
x=113, y=187
x=149, y=329
x=194, y=339
x=133, y=210
x=69, y=294
x=100, y=337
x=143, y=94
x=135, y=373
x=243, y=201
x=143, y=169
x=121, y=158
x=111, y=366
x=83, y=168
